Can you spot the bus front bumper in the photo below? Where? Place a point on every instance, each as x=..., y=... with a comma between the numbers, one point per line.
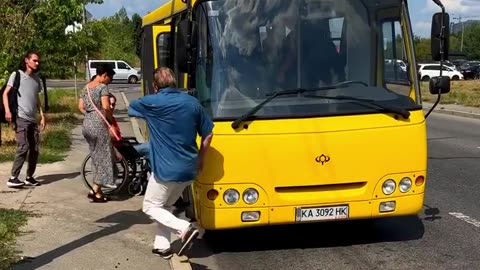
x=230, y=218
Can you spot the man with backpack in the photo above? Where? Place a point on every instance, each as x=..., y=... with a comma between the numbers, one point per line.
x=21, y=104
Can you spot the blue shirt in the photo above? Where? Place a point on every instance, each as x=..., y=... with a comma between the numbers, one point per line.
x=173, y=119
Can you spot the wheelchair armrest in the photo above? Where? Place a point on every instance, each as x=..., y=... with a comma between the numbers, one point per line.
x=129, y=140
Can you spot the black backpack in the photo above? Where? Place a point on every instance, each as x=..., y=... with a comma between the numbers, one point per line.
x=12, y=98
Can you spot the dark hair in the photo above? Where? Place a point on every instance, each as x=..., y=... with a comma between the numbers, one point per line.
x=104, y=68
x=28, y=55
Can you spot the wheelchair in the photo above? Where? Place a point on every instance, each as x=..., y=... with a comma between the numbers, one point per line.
x=130, y=172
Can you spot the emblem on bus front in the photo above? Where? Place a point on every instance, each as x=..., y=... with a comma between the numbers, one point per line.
x=322, y=159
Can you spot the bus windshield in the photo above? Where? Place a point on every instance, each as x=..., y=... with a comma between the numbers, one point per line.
x=247, y=52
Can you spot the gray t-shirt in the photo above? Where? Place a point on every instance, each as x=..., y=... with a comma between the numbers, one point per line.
x=30, y=87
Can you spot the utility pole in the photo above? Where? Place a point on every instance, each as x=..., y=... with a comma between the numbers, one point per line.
x=86, y=52
x=459, y=18
x=463, y=31
x=460, y=21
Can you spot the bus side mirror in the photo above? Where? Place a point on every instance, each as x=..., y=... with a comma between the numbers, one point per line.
x=185, y=44
x=440, y=36
x=439, y=85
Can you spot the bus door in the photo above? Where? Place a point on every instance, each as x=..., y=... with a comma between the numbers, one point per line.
x=155, y=53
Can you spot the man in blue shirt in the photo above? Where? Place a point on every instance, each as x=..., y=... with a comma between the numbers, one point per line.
x=173, y=119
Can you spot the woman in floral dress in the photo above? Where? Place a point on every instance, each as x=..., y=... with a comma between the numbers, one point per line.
x=96, y=132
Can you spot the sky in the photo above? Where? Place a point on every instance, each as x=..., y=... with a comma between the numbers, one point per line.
x=421, y=11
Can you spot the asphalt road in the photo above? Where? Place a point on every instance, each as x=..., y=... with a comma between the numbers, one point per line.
x=445, y=235
x=81, y=83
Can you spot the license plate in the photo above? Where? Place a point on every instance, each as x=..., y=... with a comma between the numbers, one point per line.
x=322, y=213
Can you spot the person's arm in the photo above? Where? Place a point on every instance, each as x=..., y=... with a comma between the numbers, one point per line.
x=42, y=116
x=136, y=109
x=8, y=113
x=105, y=99
x=81, y=106
x=206, y=132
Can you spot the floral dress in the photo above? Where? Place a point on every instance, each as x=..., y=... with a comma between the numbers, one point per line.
x=95, y=131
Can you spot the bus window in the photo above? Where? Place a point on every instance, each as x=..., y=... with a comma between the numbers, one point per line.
x=163, y=50
x=395, y=73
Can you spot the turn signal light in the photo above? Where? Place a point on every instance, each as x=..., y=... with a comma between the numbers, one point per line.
x=212, y=194
x=419, y=181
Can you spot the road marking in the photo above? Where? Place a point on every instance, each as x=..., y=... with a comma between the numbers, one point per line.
x=133, y=120
x=466, y=218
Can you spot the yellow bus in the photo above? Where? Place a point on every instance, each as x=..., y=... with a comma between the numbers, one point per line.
x=316, y=104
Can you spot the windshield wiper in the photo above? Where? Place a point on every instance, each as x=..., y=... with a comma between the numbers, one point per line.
x=255, y=109
x=250, y=113
x=400, y=111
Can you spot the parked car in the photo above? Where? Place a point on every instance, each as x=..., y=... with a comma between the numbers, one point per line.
x=427, y=71
x=123, y=71
x=471, y=72
x=399, y=62
x=468, y=64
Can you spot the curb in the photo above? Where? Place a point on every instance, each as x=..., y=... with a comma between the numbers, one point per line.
x=133, y=120
x=454, y=112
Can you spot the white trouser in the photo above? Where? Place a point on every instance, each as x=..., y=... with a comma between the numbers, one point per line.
x=157, y=204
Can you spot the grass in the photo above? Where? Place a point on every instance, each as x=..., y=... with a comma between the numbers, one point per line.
x=55, y=140
x=10, y=223
x=466, y=93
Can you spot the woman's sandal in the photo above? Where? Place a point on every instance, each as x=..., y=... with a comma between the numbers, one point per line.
x=95, y=199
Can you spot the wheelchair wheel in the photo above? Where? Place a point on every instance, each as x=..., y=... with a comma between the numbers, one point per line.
x=136, y=188
x=121, y=173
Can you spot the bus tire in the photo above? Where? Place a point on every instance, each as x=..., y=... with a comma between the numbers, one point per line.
x=189, y=203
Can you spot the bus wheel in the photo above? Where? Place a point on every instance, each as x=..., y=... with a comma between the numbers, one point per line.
x=189, y=203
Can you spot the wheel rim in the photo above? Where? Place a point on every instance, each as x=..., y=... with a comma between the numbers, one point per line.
x=120, y=171
x=135, y=188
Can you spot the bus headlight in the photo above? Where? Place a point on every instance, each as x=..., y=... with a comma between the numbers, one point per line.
x=250, y=196
x=388, y=187
x=405, y=185
x=231, y=196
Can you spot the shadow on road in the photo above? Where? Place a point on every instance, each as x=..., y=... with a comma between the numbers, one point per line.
x=306, y=236
x=123, y=219
x=432, y=213
x=50, y=178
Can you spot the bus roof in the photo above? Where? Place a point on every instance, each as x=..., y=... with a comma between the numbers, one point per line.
x=172, y=7
x=166, y=10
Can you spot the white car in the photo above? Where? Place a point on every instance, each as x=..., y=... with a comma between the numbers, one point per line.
x=400, y=63
x=123, y=71
x=427, y=71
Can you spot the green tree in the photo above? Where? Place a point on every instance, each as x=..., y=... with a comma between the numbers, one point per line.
x=40, y=25
x=137, y=34
x=472, y=41
x=422, y=49
x=116, y=35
